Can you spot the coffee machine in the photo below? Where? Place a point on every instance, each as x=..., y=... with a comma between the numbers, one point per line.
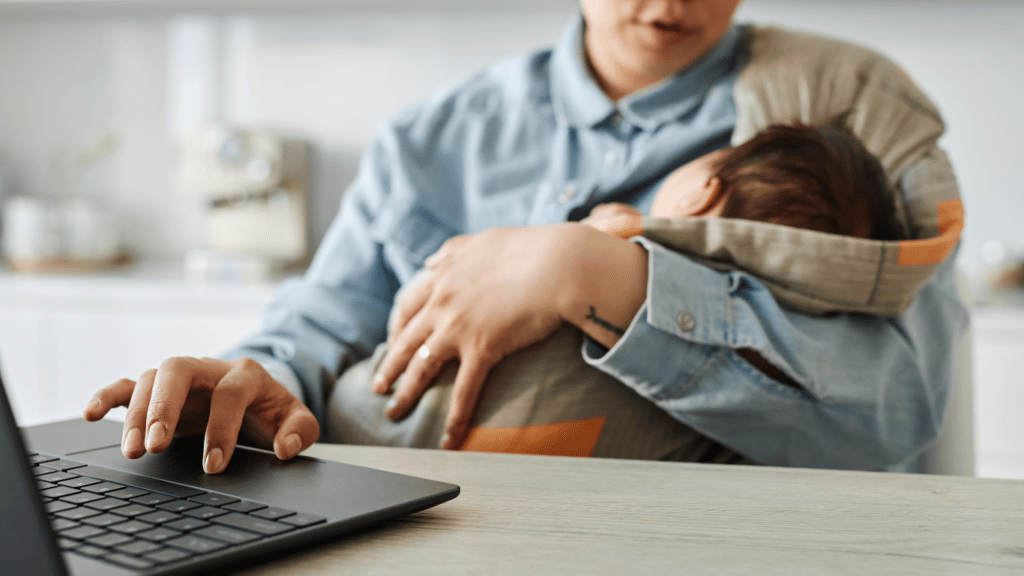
x=255, y=185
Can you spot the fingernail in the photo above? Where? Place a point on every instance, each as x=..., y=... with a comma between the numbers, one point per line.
x=445, y=439
x=155, y=436
x=391, y=408
x=131, y=440
x=214, y=461
x=378, y=381
x=93, y=405
x=293, y=444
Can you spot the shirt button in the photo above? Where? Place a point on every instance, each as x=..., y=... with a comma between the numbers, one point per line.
x=610, y=158
x=568, y=194
x=686, y=322
x=616, y=119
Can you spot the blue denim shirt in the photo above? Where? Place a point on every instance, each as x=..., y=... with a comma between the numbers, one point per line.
x=535, y=141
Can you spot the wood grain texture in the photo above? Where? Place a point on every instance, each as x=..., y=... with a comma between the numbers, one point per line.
x=552, y=515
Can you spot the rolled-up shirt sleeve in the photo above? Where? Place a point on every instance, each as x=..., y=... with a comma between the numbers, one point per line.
x=870, y=391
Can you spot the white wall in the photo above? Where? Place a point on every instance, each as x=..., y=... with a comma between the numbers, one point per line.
x=332, y=77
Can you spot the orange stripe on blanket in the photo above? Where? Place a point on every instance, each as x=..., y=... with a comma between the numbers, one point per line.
x=576, y=438
x=935, y=250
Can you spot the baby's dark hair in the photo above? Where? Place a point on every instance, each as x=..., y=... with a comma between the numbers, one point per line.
x=815, y=177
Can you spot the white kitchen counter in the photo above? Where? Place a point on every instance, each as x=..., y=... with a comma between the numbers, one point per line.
x=63, y=336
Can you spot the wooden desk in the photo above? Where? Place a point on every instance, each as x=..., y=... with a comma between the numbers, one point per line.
x=545, y=515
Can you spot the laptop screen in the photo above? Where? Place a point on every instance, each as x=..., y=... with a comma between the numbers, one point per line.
x=27, y=545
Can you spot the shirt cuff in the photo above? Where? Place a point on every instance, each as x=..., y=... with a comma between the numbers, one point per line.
x=284, y=376
x=686, y=299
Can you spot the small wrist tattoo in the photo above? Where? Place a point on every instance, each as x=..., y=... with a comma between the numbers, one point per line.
x=604, y=323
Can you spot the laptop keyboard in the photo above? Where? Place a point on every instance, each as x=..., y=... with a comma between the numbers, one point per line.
x=140, y=522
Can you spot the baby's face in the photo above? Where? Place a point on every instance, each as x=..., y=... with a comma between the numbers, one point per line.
x=691, y=190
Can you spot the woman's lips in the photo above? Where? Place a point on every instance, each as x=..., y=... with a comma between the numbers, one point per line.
x=666, y=32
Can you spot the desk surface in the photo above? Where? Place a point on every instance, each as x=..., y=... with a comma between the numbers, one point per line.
x=547, y=515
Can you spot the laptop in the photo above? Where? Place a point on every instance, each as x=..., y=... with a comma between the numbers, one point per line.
x=73, y=504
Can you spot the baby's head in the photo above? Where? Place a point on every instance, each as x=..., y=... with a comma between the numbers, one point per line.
x=820, y=178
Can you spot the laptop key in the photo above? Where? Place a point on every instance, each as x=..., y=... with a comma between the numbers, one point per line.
x=187, y=524
x=160, y=517
x=66, y=544
x=178, y=505
x=83, y=532
x=103, y=520
x=167, y=555
x=39, y=471
x=109, y=540
x=152, y=499
x=58, y=491
x=225, y=534
x=196, y=544
x=128, y=493
x=40, y=458
x=102, y=487
x=59, y=524
x=206, y=512
x=132, y=510
x=56, y=477
x=129, y=561
x=105, y=504
x=245, y=506
x=212, y=499
x=58, y=506
x=77, y=513
x=302, y=520
x=130, y=527
x=79, y=482
x=61, y=465
x=159, y=534
x=138, y=547
x=258, y=525
x=88, y=550
x=81, y=497
x=273, y=513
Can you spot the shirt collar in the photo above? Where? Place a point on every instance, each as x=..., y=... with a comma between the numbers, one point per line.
x=580, y=102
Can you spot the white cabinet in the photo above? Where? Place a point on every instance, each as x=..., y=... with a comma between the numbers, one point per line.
x=64, y=337
x=999, y=392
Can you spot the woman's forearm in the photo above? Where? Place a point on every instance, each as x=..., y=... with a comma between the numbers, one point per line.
x=605, y=282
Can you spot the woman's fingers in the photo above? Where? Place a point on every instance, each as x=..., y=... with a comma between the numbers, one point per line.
x=407, y=308
x=133, y=439
x=298, y=431
x=175, y=380
x=469, y=381
x=406, y=345
x=117, y=394
x=418, y=376
x=228, y=404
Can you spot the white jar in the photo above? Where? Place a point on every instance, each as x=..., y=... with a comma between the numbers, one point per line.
x=28, y=229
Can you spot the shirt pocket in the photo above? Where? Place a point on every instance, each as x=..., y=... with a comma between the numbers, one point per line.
x=409, y=233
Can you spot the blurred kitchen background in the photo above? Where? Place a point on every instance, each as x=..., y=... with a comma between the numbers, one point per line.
x=106, y=109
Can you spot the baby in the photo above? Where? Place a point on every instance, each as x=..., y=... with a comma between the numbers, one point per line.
x=545, y=399
x=814, y=177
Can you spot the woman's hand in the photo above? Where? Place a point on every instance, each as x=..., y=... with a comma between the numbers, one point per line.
x=501, y=290
x=186, y=396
